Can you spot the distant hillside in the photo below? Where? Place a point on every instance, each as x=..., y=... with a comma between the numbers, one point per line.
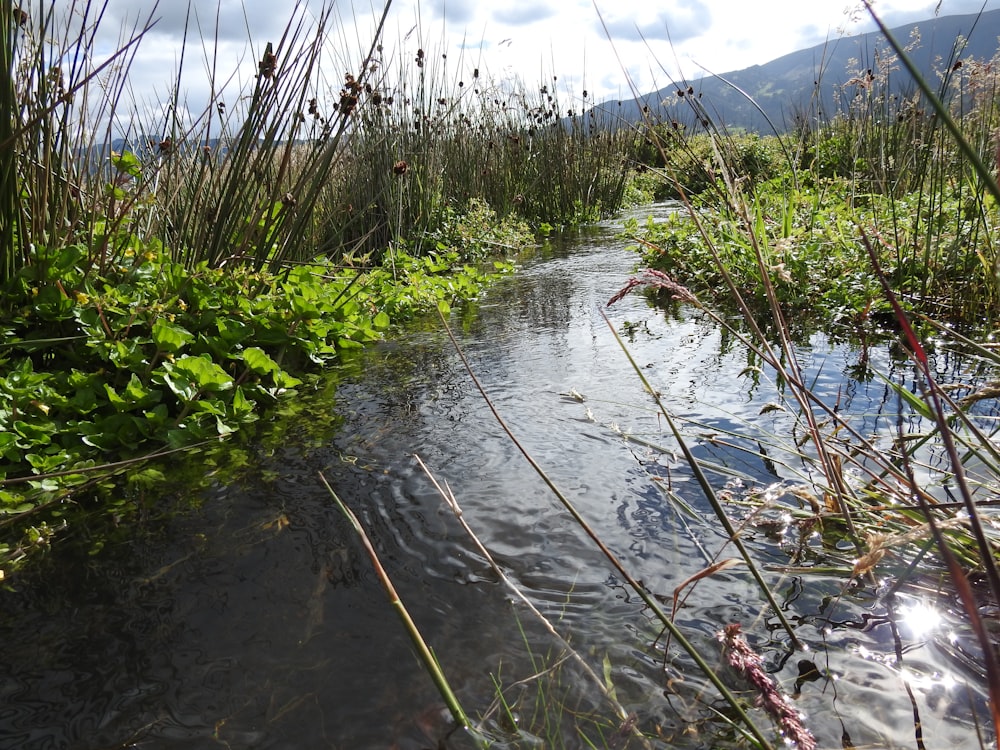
x=807, y=80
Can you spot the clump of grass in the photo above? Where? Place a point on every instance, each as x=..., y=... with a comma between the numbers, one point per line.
x=894, y=155
x=444, y=134
x=52, y=102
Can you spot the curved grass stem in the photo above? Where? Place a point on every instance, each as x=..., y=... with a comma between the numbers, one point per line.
x=706, y=487
x=709, y=671
x=427, y=657
x=448, y=496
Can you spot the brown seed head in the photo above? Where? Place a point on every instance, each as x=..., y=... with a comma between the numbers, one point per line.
x=268, y=63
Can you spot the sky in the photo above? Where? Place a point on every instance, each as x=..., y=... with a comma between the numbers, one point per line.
x=599, y=46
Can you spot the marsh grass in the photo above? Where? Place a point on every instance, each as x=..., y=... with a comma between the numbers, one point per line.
x=50, y=98
x=158, y=293
x=281, y=164
x=445, y=133
x=911, y=159
x=915, y=212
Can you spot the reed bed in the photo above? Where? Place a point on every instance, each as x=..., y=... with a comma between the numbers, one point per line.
x=910, y=159
x=281, y=164
x=167, y=270
x=444, y=134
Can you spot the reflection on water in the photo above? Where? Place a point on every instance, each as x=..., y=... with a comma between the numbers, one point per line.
x=255, y=621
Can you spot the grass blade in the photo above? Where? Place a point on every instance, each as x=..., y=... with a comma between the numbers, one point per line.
x=430, y=662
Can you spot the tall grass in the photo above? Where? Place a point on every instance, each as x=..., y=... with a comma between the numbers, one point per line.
x=51, y=101
x=912, y=145
x=919, y=220
x=885, y=153
x=240, y=184
x=444, y=133
x=281, y=163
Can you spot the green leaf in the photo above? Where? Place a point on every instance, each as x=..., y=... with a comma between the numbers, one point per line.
x=189, y=376
x=127, y=163
x=916, y=403
x=112, y=433
x=207, y=374
x=44, y=463
x=138, y=395
x=114, y=399
x=303, y=308
x=169, y=337
x=242, y=406
x=284, y=380
x=608, y=682
x=8, y=445
x=258, y=362
x=84, y=400
x=381, y=321
x=51, y=304
x=37, y=434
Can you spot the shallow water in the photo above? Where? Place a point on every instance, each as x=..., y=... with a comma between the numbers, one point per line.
x=254, y=619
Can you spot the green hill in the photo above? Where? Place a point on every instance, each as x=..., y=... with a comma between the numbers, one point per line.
x=816, y=81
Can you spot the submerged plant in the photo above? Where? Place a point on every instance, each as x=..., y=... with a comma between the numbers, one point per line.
x=748, y=664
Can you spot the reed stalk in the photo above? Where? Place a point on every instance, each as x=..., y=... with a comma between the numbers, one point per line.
x=424, y=652
x=709, y=492
x=627, y=719
x=647, y=597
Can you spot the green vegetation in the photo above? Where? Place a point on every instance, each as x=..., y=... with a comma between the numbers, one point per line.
x=790, y=206
x=877, y=224
x=166, y=294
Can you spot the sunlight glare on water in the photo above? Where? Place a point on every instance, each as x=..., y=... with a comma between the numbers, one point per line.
x=919, y=619
x=226, y=627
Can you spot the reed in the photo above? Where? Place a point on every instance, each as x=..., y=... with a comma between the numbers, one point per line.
x=444, y=133
x=910, y=157
x=54, y=106
x=280, y=164
x=699, y=657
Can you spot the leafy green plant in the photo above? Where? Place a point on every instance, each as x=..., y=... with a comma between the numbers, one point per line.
x=153, y=355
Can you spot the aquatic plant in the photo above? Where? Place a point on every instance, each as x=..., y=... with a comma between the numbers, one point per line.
x=748, y=664
x=445, y=135
x=915, y=167
x=168, y=292
x=880, y=494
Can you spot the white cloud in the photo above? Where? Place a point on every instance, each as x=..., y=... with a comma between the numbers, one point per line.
x=531, y=39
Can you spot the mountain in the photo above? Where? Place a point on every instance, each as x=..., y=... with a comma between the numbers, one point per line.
x=816, y=80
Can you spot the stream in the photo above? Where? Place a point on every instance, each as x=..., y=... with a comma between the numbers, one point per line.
x=251, y=617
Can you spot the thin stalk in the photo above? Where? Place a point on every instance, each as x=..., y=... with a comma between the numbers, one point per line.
x=430, y=662
x=449, y=497
x=939, y=108
x=9, y=191
x=959, y=579
x=706, y=487
x=710, y=672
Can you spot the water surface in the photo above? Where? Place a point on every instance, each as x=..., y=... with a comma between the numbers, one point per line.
x=254, y=619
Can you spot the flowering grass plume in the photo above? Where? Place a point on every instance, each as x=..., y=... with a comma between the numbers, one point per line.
x=741, y=657
x=650, y=277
